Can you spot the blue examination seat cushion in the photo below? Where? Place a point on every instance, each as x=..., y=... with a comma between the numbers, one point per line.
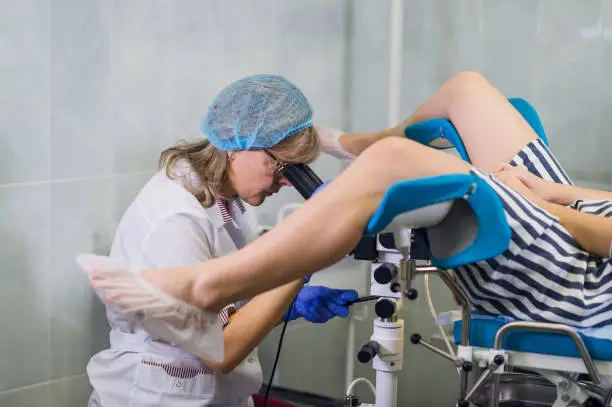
x=598, y=341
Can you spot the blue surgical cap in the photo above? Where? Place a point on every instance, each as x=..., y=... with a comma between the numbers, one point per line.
x=256, y=112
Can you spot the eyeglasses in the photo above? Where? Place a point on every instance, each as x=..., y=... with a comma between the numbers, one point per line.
x=279, y=166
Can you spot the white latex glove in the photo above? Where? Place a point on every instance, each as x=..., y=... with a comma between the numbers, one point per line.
x=330, y=143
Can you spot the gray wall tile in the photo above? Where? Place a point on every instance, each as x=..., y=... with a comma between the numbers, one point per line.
x=81, y=222
x=24, y=293
x=141, y=80
x=71, y=392
x=80, y=88
x=37, y=396
x=24, y=100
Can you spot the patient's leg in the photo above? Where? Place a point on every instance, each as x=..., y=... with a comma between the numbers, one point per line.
x=316, y=235
x=492, y=131
x=329, y=225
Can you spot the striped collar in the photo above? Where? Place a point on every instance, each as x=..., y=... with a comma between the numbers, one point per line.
x=223, y=206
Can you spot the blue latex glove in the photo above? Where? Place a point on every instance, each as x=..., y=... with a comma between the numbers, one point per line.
x=319, y=304
x=319, y=188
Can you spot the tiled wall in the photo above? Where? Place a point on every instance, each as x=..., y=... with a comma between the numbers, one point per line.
x=90, y=94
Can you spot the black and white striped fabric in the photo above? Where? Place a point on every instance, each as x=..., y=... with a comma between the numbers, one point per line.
x=226, y=314
x=544, y=275
x=594, y=207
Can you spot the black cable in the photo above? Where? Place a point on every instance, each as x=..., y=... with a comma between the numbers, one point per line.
x=362, y=299
x=305, y=181
x=278, y=350
x=280, y=341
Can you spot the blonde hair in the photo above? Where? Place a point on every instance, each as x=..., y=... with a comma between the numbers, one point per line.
x=211, y=164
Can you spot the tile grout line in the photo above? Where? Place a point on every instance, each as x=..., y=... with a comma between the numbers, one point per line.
x=48, y=382
x=76, y=179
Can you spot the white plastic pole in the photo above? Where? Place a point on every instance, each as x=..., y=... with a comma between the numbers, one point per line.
x=396, y=53
x=386, y=389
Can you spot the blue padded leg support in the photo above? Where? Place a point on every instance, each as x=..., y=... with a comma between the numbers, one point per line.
x=437, y=133
x=441, y=134
x=493, y=235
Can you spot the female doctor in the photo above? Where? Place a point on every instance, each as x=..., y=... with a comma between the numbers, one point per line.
x=193, y=210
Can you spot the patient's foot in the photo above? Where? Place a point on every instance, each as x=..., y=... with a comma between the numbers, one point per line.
x=160, y=299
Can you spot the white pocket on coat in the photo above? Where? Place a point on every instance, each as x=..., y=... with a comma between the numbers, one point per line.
x=161, y=383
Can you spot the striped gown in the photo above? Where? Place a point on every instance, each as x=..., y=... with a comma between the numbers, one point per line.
x=544, y=275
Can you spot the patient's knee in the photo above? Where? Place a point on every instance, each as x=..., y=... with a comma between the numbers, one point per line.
x=392, y=149
x=465, y=81
x=398, y=155
x=465, y=78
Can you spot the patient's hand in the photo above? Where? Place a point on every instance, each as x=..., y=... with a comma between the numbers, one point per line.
x=541, y=188
x=514, y=181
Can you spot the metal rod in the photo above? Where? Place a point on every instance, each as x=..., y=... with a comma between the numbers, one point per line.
x=436, y=350
x=407, y=271
x=494, y=395
x=463, y=377
x=465, y=315
x=479, y=384
x=548, y=327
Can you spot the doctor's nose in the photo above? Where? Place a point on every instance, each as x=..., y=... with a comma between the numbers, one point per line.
x=283, y=181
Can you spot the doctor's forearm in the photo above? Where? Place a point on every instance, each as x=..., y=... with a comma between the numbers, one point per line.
x=252, y=323
x=356, y=143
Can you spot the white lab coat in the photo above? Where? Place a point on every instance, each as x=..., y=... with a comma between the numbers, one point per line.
x=165, y=226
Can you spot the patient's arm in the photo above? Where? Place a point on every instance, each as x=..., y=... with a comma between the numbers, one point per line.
x=568, y=194
x=592, y=232
x=561, y=194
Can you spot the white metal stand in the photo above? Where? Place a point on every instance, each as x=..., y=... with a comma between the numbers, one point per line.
x=388, y=364
x=388, y=329
x=391, y=278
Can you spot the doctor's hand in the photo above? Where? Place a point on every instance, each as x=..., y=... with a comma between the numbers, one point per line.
x=319, y=304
